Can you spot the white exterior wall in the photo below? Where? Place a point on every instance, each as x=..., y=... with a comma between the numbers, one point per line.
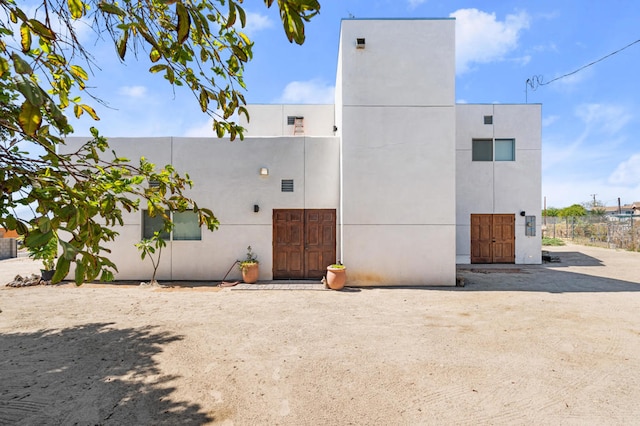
x=503, y=187
x=397, y=122
x=227, y=180
x=271, y=120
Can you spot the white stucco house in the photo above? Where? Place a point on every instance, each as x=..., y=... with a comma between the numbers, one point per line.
x=395, y=179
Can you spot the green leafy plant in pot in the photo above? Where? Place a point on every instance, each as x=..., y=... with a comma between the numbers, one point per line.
x=249, y=267
x=47, y=253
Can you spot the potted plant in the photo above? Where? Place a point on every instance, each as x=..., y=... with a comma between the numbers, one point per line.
x=249, y=267
x=47, y=253
x=336, y=276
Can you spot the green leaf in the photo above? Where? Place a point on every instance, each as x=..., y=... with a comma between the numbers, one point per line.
x=37, y=238
x=90, y=111
x=30, y=91
x=68, y=251
x=20, y=65
x=44, y=224
x=62, y=270
x=4, y=66
x=79, y=72
x=154, y=55
x=25, y=37
x=184, y=22
x=121, y=44
x=42, y=30
x=79, y=275
x=157, y=68
x=111, y=9
x=30, y=118
x=237, y=50
x=76, y=7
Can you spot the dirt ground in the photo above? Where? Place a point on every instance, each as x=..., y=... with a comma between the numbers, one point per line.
x=551, y=344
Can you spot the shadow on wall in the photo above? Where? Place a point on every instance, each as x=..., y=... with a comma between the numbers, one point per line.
x=92, y=374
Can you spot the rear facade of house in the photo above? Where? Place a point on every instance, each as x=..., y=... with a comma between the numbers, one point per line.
x=395, y=179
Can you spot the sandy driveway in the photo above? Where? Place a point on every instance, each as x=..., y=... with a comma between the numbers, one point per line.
x=553, y=344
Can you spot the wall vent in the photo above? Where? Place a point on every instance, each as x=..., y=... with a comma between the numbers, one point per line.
x=488, y=119
x=287, y=185
x=291, y=120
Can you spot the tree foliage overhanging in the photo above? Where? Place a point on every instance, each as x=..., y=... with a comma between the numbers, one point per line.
x=80, y=197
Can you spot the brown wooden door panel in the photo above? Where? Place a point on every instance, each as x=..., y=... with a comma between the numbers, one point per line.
x=304, y=242
x=493, y=238
x=288, y=244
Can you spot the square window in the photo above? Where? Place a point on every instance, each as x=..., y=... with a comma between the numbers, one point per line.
x=482, y=150
x=505, y=150
x=291, y=120
x=186, y=226
x=152, y=224
x=488, y=119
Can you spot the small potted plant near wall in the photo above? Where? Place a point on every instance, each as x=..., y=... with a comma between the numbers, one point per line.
x=336, y=276
x=47, y=253
x=249, y=267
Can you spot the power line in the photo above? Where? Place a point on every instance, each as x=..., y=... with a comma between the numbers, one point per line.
x=538, y=80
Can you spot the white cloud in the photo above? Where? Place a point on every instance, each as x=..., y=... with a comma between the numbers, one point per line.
x=307, y=92
x=256, y=22
x=481, y=38
x=415, y=3
x=606, y=118
x=627, y=173
x=132, y=91
x=548, y=121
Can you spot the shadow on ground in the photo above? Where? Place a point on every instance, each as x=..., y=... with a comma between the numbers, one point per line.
x=99, y=374
x=548, y=277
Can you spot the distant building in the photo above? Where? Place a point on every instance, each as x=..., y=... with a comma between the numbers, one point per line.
x=394, y=179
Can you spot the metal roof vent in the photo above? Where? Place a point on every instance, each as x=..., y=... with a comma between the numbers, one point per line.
x=360, y=43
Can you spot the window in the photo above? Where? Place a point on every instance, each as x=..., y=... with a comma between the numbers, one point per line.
x=488, y=119
x=530, y=226
x=505, y=150
x=150, y=225
x=490, y=150
x=186, y=226
x=291, y=120
x=482, y=150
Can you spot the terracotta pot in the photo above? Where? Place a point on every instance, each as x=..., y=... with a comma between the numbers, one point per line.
x=336, y=277
x=250, y=273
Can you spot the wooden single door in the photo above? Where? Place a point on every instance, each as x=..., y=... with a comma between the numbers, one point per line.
x=493, y=238
x=304, y=242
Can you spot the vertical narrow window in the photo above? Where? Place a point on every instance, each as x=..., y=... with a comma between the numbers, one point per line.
x=152, y=224
x=530, y=226
x=505, y=150
x=482, y=150
x=186, y=226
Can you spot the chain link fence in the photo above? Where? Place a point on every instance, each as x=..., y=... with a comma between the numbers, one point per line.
x=604, y=231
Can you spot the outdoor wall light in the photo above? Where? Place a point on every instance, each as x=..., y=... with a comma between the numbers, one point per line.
x=523, y=213
x=256, y=208
x=264, y=171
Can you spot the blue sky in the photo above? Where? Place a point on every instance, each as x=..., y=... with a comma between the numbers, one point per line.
x=590, y=119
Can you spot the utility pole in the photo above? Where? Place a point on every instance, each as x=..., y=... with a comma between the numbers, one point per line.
x=594, y=199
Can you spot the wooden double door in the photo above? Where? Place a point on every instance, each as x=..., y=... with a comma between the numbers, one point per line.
x=304, y=242
x=493, y=238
